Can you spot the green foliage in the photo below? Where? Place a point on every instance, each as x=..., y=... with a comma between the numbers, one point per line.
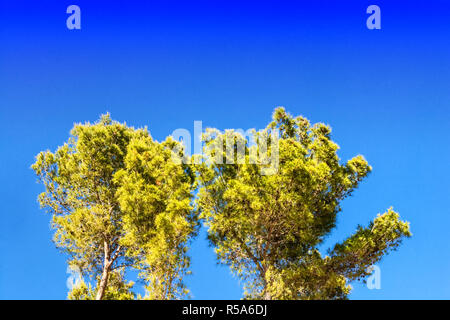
x=356, y=254
x=156, y=196
x=267, y=227
x=118, y=202
x=82, y=291
x=118, y=289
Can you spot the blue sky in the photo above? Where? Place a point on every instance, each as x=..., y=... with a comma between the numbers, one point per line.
x=229, y=63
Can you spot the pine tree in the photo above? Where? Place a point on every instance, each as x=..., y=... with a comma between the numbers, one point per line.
x=268, y=227
x=119, y=202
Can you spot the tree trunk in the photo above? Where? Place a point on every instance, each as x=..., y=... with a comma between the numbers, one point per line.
x=266, y=294
x=103, y=283
x=104, y=279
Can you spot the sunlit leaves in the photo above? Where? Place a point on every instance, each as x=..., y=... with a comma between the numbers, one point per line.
x=118, y=202
x=267, y=227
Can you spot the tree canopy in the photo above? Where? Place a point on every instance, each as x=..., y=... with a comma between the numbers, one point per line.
x=118, y=202
x=268, y=227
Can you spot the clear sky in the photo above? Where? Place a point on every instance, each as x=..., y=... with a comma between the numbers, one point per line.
x=229, y=63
